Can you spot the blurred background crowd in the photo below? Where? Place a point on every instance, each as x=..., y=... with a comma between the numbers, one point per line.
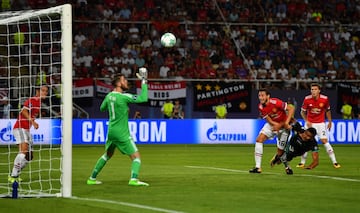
x=278, y=40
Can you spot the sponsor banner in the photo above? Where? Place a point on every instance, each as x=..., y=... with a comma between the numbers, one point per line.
x=142, y=131
x=159, y=92
x=161, y=131
x=198, y=131
x=49, y=131
x=102, y=88
x=227, y=131
x=83, y=88
x=347, y=93
x=235, y=95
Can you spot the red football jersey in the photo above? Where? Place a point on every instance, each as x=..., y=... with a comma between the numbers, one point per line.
x=275, y=108
x=316, y=108
x=33, y=105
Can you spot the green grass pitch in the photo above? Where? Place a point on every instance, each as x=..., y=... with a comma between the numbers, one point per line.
x=203, y=179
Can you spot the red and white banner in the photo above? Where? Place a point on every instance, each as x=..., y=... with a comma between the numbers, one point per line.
x=161, y=91
x=83, y=88
x=102, y=88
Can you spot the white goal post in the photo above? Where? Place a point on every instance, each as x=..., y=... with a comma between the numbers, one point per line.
x=36, y=49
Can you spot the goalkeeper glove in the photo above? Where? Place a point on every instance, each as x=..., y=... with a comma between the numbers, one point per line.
x=142, y=75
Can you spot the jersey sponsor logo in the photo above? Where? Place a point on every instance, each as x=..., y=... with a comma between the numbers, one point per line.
x=316, y=110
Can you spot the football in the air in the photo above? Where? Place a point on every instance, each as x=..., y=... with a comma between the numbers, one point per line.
x=168, y=40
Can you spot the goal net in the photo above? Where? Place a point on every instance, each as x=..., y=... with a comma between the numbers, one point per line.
x=35, y=50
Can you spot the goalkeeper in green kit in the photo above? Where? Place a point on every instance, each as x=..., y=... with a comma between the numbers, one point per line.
x=118, y=136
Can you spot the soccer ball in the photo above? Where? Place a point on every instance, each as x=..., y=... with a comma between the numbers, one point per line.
x=168, y=40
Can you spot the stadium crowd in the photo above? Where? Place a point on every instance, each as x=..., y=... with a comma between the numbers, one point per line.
x=278, y=40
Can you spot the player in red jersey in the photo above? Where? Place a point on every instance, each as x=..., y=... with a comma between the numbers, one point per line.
x=278, y=115
x=314, y=109
x=25, y=120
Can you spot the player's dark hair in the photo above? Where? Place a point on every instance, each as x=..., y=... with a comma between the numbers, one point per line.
x=116, y=79
x=264, y=90
x=297, y=127
x=38, y=87
x=312, y=130
x=316, y=85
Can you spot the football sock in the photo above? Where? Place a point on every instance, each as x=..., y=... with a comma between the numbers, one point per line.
x=303, y=158
x=99, y=165
x=258, y=154
x=135, y=168
x=330, y=152
x=19, y=163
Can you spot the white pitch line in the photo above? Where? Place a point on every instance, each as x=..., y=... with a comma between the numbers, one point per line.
x=139, y=206
x=271, y=173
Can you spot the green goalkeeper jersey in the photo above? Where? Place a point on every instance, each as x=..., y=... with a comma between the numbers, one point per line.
x=117, y=105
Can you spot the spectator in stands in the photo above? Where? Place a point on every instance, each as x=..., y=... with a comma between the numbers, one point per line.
x=7, y=108
x=134, y=37
x=220, y=111
x=267, y=62
x=126, y=71
x=331, y=74
x=163, y=71
x=242, y=72
x=273, y=36
x=347, y=111
x=272, y=73
x=139, y=61
x=107, y=13
x=253, y=73
x=137, y=115
x=87, y=60
x=249, y=39
x=312, y=71
x=178, y=112
x=77, y=60
x=262, y=72
x=283, y=72
x=281, y=15
x=79, y=38
x=146, y=42
x=226, y=63
x=167, y=109
x=234, y=15
x=303, y=71
x=290, y=83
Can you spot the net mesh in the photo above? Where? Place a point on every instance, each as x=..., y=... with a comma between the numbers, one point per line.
x=30, y=56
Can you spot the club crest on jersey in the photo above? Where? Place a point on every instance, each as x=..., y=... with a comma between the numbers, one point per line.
x=321, y=105
x=274, y=109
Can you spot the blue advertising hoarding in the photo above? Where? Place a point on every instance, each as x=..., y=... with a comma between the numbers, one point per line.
x=49, y=131
x=161, y=131
x=199, y=131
